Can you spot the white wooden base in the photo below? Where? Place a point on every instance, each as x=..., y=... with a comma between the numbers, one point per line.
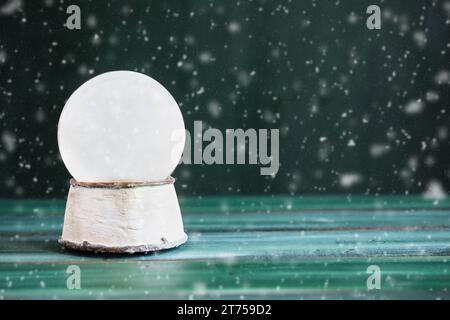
x=122, y=217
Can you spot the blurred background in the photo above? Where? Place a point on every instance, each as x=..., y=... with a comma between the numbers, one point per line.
x=359, y=111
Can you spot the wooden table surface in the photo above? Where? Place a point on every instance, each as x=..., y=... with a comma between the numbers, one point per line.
x=244, y=248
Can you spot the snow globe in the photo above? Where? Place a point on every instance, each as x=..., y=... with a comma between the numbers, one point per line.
x=120, y=135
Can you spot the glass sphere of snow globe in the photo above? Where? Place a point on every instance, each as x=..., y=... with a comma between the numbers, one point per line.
x=121, y=126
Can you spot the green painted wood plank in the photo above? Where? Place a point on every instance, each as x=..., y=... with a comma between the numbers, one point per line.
x=215, y=222
x=259, y=203
x=403, y=277
x=229, y=245
x=288, y=203
x=301, y=253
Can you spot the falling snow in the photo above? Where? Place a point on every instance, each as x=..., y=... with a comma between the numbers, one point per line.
x=359, y=111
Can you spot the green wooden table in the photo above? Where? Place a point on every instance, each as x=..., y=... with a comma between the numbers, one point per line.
x=244, y=248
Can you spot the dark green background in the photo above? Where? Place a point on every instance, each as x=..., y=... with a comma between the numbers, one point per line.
x=318, y=72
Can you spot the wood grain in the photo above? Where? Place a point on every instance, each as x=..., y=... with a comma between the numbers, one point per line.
x=254, y=247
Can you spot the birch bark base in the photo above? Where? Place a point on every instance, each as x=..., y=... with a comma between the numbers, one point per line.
x=122, y=218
